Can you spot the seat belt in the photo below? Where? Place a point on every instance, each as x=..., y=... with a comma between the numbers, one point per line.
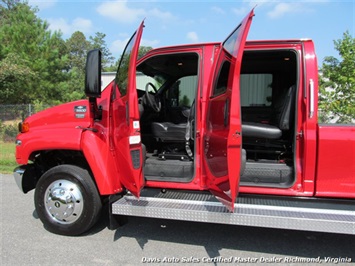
x=188, y=133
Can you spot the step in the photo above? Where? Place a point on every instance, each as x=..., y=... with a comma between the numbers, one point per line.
x=248, y=211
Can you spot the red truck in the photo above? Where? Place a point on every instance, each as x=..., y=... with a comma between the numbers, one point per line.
x=223, y=132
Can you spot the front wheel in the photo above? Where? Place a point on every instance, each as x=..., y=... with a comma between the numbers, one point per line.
x=67, y=200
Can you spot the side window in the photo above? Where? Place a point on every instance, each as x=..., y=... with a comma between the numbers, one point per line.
x=123, y=67
x=222, y=81
x=255, y=90
x=183, y=91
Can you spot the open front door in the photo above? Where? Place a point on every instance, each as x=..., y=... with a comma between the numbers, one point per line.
x=222, y=138
x=125, y=138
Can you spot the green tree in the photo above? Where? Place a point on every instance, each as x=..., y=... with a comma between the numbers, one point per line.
x=98, y=42
x=141, y=52
x=14, y=72
x=337, y=83
x=77, y=47
x=37, y=56
x=7, y=4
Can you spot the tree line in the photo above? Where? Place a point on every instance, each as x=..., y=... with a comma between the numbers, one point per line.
x=39, y=66
x=337, y=83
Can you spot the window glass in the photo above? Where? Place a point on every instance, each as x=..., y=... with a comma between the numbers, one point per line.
x=182, y=92
x=122, y=72
x=230, y=43
x=187, y=89
x=142, y=80
x=255, y=89
x=222, y=81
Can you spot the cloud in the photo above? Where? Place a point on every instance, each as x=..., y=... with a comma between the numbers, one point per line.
x=160, y=14
x=276, y=8
x=67, y=28
x=239, y=11
x=192, y=36
x=217, y=10
x=120, y=12
x=281, y=9
x=118, y=46
x=82, y=24
x=151, y=43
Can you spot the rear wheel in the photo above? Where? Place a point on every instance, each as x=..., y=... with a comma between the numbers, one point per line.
x=67, y=200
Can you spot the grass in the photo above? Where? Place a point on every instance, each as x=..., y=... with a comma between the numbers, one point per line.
x=7, y=157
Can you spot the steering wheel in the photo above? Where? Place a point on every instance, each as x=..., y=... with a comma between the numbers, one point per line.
x=153, y=100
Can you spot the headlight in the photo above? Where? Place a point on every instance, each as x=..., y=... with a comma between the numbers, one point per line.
x=18, y=142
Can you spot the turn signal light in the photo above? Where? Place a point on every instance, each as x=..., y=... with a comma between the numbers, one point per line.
x=23, y=127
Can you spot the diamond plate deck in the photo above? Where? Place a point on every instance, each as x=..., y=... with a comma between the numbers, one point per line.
x=199, y=207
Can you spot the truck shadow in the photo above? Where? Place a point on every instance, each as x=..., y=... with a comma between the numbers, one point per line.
x=215, y=237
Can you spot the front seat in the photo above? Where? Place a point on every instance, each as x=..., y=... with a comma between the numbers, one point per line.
x=171, y=132
x=282, y=118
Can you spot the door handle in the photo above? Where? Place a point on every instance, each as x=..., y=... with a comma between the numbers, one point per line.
x=311, y=98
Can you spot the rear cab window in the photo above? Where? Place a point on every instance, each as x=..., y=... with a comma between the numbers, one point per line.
x=256, y=90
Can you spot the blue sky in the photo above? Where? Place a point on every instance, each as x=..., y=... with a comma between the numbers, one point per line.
x=180, y=22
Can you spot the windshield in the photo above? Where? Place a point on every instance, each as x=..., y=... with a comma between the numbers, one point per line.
x=142, y=80
x=122, y=71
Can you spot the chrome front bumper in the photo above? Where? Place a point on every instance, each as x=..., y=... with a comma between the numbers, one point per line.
x=18, y=174
x=26, y=177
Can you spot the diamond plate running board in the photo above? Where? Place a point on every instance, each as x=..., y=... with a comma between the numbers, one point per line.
x=259, y=215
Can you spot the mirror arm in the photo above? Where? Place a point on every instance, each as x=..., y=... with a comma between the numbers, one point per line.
x=95, y=110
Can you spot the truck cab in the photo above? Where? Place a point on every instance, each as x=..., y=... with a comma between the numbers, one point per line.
x=212, y=130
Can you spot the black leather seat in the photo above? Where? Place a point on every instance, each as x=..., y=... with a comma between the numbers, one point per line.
x=282, y=118
x=258, y=130
x=169, y=132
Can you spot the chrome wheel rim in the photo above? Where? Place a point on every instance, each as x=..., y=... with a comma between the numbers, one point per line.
x=63, y=201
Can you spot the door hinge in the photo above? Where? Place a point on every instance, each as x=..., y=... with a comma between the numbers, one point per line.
x=299, y=135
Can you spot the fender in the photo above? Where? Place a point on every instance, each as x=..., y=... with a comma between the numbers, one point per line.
x=42, y=139
x=98, y=155
x=46, y=139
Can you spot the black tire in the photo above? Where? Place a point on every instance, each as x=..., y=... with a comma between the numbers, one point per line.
x=67, y=200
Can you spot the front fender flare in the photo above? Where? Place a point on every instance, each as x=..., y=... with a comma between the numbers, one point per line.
x=43, y=140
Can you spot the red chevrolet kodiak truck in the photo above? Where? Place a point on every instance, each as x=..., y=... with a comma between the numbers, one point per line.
x=221, y=132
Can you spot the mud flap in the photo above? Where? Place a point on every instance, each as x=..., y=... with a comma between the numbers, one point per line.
x=115, y=221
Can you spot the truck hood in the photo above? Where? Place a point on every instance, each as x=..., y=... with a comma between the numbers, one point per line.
x=68, y=115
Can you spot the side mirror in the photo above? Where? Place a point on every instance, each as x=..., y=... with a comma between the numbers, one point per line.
x=93, y=74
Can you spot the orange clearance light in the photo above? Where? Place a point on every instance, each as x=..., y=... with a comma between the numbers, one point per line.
x=24, y=127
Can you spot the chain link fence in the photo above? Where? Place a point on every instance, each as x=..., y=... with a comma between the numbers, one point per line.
x=12, y=114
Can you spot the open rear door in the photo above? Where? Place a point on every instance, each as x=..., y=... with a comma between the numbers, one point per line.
x=125, y=138
x=222, y=137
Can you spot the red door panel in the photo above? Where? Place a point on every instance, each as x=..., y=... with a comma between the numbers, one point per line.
x=223, y=122
x=125, y=135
